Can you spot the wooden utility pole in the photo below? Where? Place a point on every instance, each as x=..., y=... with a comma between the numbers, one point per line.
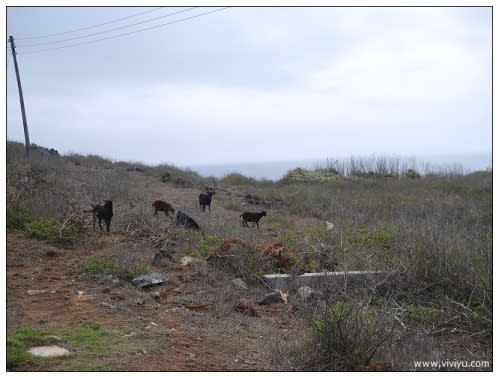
x=25, y=123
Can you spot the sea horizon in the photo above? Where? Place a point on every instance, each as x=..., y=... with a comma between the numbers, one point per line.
x=275, y=170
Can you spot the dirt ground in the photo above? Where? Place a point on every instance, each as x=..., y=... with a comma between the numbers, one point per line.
x=45, y=285
x=42, y=286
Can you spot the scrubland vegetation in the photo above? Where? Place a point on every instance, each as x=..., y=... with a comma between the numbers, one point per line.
x=430, y=232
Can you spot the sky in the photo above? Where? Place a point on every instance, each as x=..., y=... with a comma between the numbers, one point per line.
x=252, y=84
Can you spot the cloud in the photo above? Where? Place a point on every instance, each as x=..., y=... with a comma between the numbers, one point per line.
x=302, y=83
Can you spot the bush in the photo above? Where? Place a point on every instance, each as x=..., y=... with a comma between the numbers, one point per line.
x=348, y=335
x=249, y=260
x=18, y=217
x=102, y=265
x=43, y=228
x=237, y=179
x=301, y=175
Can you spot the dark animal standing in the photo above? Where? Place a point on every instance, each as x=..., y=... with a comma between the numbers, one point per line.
x=183, y=220
x=162, y=206
x=103, y=212
x=252, y=217
x=205, y=200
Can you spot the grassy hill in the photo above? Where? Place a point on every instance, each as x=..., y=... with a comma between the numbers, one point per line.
x=431, y=234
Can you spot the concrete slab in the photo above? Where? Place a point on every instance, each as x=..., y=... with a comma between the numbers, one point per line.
x=316, y=280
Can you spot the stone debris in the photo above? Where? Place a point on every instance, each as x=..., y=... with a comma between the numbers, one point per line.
x=49, y=351
x=240, y=284
x=36, y=292
x=306, y=292
x=150, y=279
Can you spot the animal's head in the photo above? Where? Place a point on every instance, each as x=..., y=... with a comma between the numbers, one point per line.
x=108, y=203
x=264, y=213
x=209, y=191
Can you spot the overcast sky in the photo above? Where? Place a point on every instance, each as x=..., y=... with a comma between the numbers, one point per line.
x=253, y=84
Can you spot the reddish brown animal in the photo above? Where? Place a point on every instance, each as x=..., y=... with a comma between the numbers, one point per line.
x=162, y=206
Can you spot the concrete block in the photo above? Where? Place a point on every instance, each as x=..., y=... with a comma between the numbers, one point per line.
x=290, y=282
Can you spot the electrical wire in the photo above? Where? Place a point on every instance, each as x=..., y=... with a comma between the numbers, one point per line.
x=88, y=27
x=122, y=34
x=106, y=31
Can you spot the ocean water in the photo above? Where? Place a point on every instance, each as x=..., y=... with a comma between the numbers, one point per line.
x=274, y=170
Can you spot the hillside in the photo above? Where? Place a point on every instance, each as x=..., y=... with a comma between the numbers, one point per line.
x=71, y=285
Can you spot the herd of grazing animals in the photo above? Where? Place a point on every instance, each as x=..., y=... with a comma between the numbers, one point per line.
x=105, y=212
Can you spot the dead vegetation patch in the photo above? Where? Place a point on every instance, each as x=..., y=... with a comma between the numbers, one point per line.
x=245, y=258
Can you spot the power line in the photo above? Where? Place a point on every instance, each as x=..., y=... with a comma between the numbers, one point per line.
x=89, y=27
x=108, y=30
x=123, y=34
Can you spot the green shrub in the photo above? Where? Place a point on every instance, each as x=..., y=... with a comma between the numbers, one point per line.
x=301, y=175
x=16, y=353
x=207, y=242
x=237, y=179
x=102, y=265
x=18, y=343
x=18, y=217
x=379, y=239
x=43, y=228
x=422, y=314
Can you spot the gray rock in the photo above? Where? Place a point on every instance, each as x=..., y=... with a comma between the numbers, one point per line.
x=139, y=301
x=306, y=292
x=240, y=284
x=192, y=261
x=49, y=351
x=156, y=295
x=108, y=277
x=122, y=308
x=150, y=279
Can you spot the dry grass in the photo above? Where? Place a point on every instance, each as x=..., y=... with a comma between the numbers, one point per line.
x=431, y=235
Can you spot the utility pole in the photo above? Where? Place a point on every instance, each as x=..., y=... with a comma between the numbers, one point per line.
x=25, y=123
